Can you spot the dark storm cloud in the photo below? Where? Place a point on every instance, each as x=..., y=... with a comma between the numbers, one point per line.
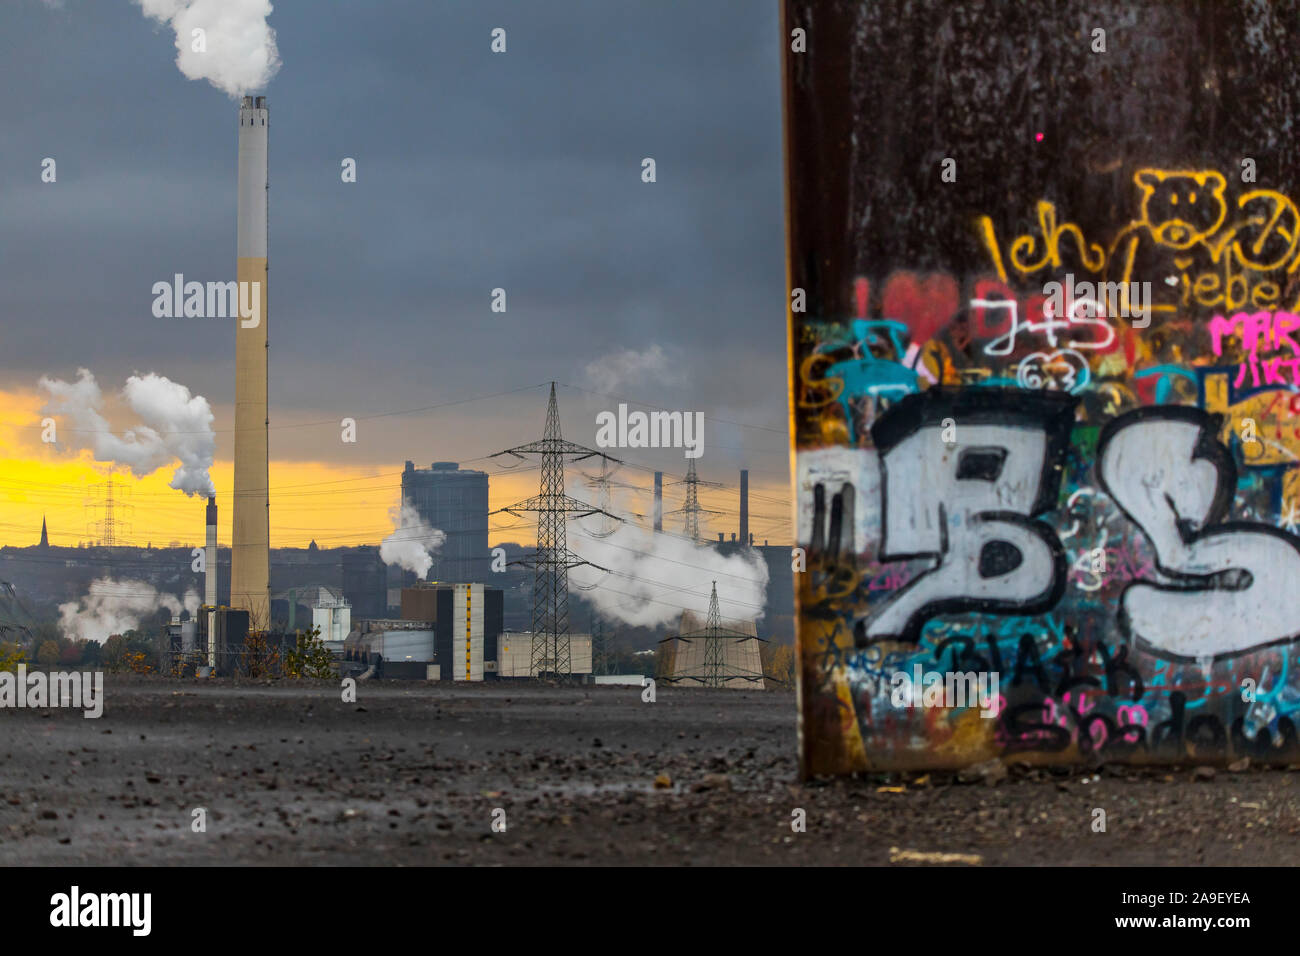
x=475, y=171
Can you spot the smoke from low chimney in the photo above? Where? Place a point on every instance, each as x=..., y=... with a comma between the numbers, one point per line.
x=173, y=424
x=114, y=607
x=413, y=541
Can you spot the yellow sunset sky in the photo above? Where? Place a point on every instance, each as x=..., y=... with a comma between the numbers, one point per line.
x=334, y=504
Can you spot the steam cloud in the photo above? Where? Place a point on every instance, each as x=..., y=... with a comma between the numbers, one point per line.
x=114, y=607
x=629, y=366
x=238, y=52
x=175, y=425
x=656, y=576
x=412, y=542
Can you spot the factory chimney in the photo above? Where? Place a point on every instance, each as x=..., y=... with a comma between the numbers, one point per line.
x=210, y=580
x=744, y=506
x=210, y=556
x=250, y=571
x=659, y=501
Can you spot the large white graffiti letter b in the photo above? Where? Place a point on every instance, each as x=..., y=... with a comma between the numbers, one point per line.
x=970, y=505
x=1226, y=587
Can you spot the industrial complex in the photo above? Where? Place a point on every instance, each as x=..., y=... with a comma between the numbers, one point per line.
x=467, y=610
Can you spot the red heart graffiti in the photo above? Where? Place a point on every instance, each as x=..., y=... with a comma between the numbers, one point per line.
x=925, y=304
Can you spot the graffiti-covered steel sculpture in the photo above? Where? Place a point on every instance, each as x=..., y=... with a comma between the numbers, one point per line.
x=1044, y=313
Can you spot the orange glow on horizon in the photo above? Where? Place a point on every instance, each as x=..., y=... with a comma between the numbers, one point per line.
x=335, y=505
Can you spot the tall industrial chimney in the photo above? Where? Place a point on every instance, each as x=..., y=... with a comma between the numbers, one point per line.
x=659, y=501
x=250, y=556
x=210, y=581
x=744, y=506
x=210, y=556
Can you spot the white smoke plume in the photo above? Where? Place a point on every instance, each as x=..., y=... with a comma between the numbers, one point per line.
x=173, y=425
x=655, y=576
x=114, y=607
x=235, y=51
x=631, y=367
x=412, y=542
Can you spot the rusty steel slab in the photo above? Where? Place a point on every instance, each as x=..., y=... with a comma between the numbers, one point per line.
x=1044, y=336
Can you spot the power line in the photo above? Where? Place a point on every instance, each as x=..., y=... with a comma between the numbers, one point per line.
x=659, y=408
x=331, y=421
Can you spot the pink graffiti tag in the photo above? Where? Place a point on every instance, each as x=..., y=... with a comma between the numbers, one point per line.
x=1270, y=329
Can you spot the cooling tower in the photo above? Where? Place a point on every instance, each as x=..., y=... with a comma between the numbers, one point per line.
x=250, y=571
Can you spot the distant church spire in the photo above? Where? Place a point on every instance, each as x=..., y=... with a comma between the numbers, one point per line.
x=45, y=537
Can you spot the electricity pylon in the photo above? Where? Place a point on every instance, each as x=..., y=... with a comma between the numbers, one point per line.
x=691, y=510
x=600, y=644
x=553, y=558
x=600, y=483
x=108, y=497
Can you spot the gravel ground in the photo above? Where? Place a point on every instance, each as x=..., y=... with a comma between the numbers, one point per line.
x=412, y=774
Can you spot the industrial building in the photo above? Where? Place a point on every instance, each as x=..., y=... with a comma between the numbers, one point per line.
x=452, y=628
x=451, y=632
x=467, y=619
x=395, y=648
x=213, y=641
x=365, y=582
x=455, y=502
x=331, y=614
x=515, y=658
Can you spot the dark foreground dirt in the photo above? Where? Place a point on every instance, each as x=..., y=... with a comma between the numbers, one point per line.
x=412, y=773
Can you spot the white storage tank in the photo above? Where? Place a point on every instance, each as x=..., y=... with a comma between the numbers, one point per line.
x=403, y=645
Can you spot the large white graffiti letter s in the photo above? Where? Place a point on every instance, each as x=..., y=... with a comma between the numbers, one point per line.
x=970, y=505
x=1226, y=588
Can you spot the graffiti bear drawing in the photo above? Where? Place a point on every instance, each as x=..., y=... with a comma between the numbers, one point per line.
x=1181, y=209
x=1180, y=213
